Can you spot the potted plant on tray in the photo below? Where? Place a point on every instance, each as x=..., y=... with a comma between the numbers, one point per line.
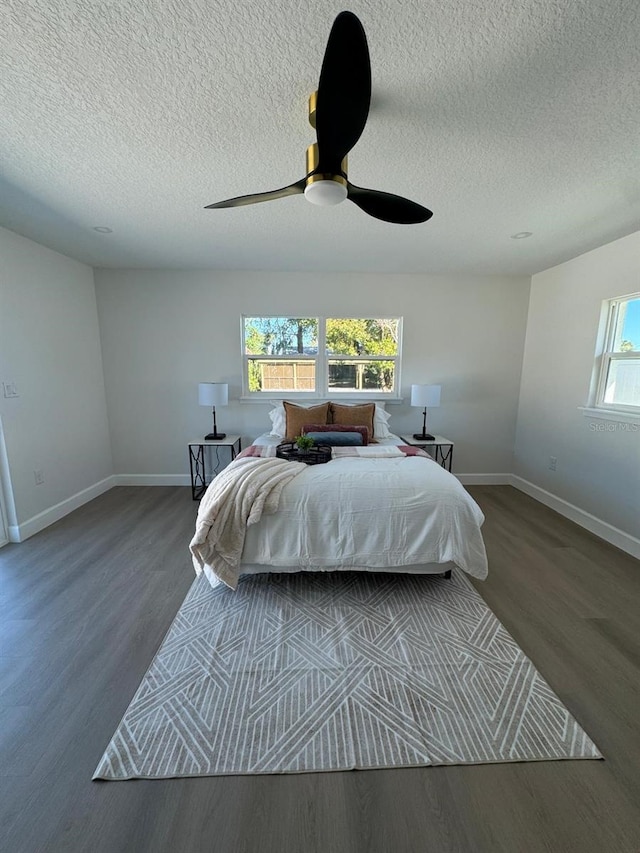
x=304, y=444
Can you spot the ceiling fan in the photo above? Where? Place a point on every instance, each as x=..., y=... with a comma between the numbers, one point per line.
x=338, y=111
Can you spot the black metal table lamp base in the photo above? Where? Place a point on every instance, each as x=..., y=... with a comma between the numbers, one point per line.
x=215, y=435
x=424, y=435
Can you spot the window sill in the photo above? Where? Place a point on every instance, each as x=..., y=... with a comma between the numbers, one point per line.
x=610, y=415
x=296, y=398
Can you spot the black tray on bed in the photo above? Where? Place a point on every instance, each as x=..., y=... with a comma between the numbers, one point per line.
x=314, y=456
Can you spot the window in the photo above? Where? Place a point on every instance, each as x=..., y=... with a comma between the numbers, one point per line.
x=321, y=356
x=619, y=382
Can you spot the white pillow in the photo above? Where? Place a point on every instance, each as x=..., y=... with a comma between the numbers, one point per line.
x=279, y=420
x=380, y=421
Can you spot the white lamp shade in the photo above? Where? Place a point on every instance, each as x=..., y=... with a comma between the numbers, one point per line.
x=426, y=396
x=213, y=393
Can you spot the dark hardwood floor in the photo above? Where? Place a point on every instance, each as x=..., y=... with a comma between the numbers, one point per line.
x=85, y=604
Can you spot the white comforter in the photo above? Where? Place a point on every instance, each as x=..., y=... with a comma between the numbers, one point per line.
x=370, y=513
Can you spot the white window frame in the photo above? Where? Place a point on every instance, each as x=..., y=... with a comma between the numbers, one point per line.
x=321, y=360
x=609, y=355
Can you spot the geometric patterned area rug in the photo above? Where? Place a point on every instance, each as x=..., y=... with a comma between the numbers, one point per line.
x=310, y=672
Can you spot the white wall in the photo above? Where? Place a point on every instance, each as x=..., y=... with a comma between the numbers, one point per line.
x=598, y=467
x=163, y=332
x=50, y=347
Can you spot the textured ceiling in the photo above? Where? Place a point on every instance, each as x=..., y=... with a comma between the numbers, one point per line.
x=500, y=115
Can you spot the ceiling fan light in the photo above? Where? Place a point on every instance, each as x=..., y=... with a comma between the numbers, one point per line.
x=325, y=193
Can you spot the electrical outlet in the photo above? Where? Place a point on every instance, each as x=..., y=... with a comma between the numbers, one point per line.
x=10, y=389
x=39, y=477
x=553, y=462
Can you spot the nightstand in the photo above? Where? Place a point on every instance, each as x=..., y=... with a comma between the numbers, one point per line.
x=198, y=461
x=441, y=448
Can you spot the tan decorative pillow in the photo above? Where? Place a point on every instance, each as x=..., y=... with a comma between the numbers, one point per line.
x=353, y=415
x=298, y=416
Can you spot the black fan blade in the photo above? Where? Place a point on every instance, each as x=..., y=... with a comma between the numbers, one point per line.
x=239, y=201
x=388, y=207
x=344, y=92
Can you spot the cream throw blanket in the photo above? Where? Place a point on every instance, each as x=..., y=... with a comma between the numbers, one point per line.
x=235, y=499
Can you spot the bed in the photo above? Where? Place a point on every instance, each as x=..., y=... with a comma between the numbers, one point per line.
x=362, y=512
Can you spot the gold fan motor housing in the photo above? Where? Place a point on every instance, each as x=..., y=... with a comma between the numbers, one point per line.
x=312, y=164
x=312, y=152
x=313, y=103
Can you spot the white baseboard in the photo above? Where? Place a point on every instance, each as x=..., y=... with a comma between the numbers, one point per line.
x=484, y=479
x=624, y=541
x=151, y=480
x=20, y=532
